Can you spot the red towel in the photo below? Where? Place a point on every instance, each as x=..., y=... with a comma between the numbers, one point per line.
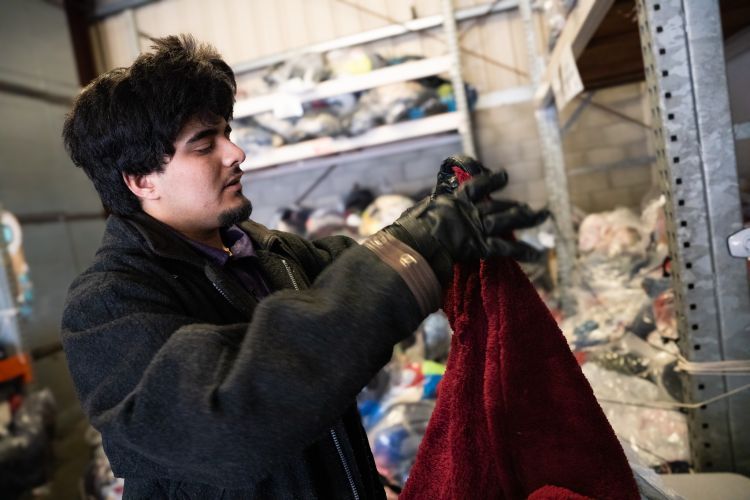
x=515, y=417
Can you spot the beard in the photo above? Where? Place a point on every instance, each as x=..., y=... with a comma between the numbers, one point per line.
x=236, y=215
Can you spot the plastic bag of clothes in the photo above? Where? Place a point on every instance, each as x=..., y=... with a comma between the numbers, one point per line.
x=304, y=70
x=657, y=435
x=252, y=138
x=314, y=125
x=397, y=404
x=611, y=233
x=624, y=332
x=353, y=61
x=393, y=103
x=382, y=212
x=26, y=449
x=100, y=482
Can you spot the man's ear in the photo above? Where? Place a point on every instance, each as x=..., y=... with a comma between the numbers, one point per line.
x=141, y=185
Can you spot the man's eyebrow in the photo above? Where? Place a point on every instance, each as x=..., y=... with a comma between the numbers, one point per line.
x=201, y=134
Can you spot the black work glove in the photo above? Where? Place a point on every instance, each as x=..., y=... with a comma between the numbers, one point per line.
x=468, y=225
x=447, y=181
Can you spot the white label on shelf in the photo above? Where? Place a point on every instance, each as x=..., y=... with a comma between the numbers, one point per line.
x=570, y=79
x=557, y=89
x=287, y=106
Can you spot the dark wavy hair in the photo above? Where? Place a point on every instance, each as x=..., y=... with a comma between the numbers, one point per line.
x=127, y=120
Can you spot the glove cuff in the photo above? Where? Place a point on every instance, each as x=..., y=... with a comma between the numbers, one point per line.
x=412, y=268
x=415, y=233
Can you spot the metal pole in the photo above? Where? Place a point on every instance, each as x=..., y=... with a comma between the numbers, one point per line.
x=555, y=176
x=459, y=92
x=683, y=57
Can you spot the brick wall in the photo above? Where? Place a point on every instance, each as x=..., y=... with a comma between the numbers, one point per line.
x=609, y=160
x=506, y=137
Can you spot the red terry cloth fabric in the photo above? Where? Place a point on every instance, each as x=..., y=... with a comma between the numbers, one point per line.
x=515, y=417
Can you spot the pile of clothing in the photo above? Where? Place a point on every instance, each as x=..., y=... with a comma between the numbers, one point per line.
x=27, y=428
x=624, y=333
x=352, y=114
x=358, y=215
x=623, y=337
x=397, y=404
x=99, y=482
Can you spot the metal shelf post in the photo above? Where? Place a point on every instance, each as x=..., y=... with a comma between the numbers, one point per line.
x=459, y=92
x=556, y=180
x=684, y=60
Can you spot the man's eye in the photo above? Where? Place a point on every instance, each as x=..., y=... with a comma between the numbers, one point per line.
x=205, y=150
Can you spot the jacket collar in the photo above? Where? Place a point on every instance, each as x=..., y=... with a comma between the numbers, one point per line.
x=164, y=242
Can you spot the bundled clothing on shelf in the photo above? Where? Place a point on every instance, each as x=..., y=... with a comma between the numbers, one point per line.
x=349, y=114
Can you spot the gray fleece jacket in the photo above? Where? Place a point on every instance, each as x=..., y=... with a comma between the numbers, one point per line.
x=201, y=392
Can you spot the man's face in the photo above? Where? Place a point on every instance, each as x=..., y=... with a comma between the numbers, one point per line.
x=199, y=189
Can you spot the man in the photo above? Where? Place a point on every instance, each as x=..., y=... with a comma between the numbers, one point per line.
x=220, y=359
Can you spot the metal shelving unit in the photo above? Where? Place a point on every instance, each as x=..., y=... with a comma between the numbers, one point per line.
x=682, y=48
x=552, y=152
x=457, y=121
x=684, y=57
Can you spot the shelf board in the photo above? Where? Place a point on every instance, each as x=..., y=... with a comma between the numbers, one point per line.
x=580, y=26
x=606, y=42
x=390, y=74
x=326, y=146
x=613, y=55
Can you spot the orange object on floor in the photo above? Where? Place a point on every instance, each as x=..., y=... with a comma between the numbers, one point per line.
x=14, y=367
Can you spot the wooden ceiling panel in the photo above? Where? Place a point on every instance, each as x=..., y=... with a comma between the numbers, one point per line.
x=613, y=56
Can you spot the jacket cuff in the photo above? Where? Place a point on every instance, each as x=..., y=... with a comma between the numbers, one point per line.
x=411, y=266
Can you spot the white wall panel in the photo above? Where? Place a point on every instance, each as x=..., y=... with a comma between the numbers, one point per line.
x=498, y=43
x=474, y=69
x=243, y=39
x=294, y=26
x=399, y=10
x=244, y=30
x=346, y=18
x=520, y=50
x=112, y=42
x=319, y=16
x=265, y=22
x=427, y=7
x=374, y=14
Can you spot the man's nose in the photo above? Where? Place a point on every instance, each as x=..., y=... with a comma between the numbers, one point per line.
x=234, y=155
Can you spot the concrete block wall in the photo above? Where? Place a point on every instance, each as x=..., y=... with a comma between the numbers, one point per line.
x=506, y=137
x=609, y=160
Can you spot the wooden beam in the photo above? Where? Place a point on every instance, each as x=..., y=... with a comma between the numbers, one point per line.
x=580, y=26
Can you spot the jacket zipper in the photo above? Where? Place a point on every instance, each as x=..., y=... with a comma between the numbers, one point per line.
x=334, y=436
x=226, y=297
x=346, y=465
x=291, y=276
x=223, y=294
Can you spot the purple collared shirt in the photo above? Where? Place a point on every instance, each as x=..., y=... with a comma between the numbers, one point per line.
x=242, y=264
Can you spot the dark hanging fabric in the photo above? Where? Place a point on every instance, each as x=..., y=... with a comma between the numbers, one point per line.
x=515, y=417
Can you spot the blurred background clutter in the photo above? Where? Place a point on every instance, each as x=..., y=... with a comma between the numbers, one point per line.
x=345, y=109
